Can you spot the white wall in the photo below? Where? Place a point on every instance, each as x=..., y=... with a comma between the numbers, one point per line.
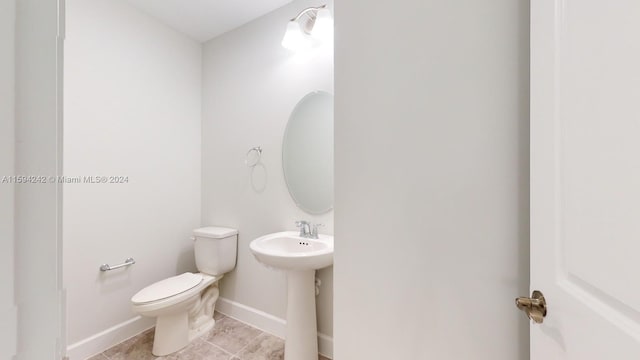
x=251, y=85
x=431, y=216
x=133, y=108
x=7, y=313
x=37, y=205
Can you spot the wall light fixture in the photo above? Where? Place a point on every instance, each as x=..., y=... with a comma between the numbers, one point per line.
x=311, y=25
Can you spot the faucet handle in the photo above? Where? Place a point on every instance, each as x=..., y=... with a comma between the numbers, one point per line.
x=314, y=231
x=301, y=223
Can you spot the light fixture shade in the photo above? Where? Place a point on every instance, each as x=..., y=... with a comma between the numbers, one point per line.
x=294, y=39
x=323, y=28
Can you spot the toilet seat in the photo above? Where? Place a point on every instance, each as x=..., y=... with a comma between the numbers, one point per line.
x=167, y=288
x=152, y=307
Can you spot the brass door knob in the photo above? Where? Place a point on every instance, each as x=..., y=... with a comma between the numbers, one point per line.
x=535, y=307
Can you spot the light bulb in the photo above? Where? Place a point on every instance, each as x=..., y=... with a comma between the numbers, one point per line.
x=294, y=39
x=323, y=28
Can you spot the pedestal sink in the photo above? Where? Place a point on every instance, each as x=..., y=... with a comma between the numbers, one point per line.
x=300, y=257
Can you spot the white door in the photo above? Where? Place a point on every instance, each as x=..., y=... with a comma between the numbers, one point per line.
x=585, y=178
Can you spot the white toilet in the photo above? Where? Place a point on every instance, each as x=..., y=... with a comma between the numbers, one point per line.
x=184, y=304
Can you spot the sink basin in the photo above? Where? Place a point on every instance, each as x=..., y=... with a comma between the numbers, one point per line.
x=300, y=257
x=287, y=250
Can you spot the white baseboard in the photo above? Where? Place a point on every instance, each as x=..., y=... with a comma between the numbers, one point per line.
x=104, y=340
x=325, y=345
x=254, y=317
x=267, y=322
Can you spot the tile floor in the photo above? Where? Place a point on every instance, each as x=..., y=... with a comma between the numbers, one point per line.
x=228, y=340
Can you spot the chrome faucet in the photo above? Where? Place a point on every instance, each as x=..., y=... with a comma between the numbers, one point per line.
x=307, y=229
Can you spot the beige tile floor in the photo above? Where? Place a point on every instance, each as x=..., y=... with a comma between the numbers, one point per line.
x=228, y=340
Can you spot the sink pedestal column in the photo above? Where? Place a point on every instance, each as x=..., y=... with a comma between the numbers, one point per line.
x=301, y=342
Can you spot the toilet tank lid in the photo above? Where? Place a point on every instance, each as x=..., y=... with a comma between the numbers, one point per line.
x=215, y=232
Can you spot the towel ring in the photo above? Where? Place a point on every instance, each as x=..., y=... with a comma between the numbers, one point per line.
x=253, y=156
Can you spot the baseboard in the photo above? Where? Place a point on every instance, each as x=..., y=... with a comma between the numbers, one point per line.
x=325, y=345
x=254, y=317
x=102, y=341
x=267, y=322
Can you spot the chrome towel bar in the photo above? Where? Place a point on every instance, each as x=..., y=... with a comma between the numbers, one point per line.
x=107, y=267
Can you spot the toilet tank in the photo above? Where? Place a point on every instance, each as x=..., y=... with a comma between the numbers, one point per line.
x=215, y=249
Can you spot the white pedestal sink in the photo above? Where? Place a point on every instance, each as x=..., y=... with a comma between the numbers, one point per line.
x=300, y=257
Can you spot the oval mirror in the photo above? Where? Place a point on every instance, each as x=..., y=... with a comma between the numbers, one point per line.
x=307, y=153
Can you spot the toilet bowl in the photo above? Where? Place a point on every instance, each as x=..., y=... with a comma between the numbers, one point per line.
x=184, y=304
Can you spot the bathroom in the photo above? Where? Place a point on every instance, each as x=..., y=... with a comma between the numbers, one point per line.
x=170, y=113
x=442, y=212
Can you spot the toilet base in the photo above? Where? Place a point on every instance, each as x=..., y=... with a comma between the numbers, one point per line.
x=172, y=334
x=176, y=330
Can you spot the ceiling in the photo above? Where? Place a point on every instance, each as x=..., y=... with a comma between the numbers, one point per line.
x=205, y=19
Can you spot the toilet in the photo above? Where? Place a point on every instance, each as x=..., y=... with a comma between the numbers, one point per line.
x=183, y=305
